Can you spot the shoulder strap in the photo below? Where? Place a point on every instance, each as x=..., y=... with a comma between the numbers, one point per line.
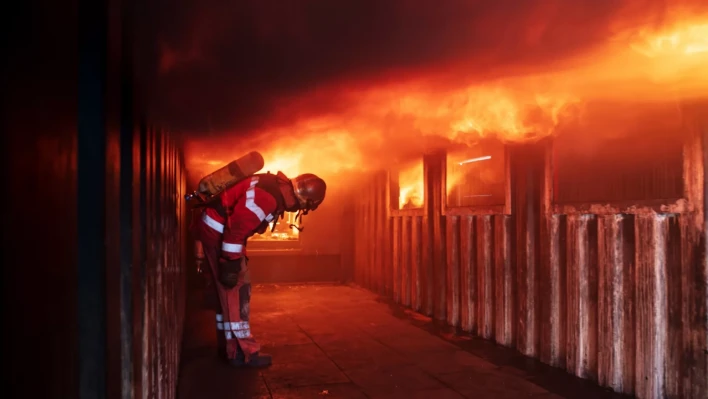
x=270, y=183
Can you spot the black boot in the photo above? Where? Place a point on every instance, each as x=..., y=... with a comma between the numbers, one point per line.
x=255, y=360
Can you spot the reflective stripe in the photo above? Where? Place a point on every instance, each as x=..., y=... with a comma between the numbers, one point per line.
x=241, y=329
x=251, y=203
x=233, y=248
x=234, y=325
x=269, y=218
x=237, y=329
x=242, y=334
x=239, y=325
x=213, y=223
x=219, y=317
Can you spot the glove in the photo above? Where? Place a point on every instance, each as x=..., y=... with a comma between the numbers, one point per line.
x=262, y=228
x=229, y=271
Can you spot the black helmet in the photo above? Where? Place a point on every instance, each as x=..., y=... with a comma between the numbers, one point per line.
x=309, y=190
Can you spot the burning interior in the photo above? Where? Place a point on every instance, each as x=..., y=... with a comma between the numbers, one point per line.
x=407, y=185
x=616, y=126
x=476, y=175
x=618, y=102
x=613, y=115
x=284, y=230
x=285, y=236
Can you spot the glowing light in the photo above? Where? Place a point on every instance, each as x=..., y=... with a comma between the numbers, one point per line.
x=484, y=158
x=283, y=230
x=411, y=187
x=687, y=40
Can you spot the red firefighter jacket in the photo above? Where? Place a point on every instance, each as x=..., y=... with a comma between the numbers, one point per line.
x=245, y=209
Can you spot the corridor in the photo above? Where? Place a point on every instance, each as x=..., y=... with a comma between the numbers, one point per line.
x=335, y=341
x=506, y=216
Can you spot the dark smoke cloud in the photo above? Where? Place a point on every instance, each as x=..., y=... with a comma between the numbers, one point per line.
x=229, y=65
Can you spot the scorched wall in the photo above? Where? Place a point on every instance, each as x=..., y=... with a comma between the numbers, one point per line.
x=616, y=294
x=93, y=219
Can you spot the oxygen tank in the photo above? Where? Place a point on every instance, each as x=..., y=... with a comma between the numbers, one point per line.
x=221, y=179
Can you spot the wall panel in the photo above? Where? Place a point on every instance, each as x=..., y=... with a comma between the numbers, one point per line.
x=553, y=283
x=77, y=215
x=416, y=263
x=397, y=257
x=485, y=276
x=504, y=282
x=468, y=273
x=452, y=299
x=406, y=260
x=581, y=294
x=615, y=302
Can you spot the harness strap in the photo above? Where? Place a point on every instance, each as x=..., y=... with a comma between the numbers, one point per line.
x=270, y=183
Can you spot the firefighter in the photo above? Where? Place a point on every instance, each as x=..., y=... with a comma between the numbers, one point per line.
x=223, y=229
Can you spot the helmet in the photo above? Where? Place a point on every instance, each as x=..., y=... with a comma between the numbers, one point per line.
x=309, y=190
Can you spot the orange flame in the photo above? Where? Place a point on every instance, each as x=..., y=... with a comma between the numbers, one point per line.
x=410, y=185
x=687, y=40
x=386, y=123
x=283, y=230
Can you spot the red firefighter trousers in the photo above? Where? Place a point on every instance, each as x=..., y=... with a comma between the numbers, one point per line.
x=232, y=320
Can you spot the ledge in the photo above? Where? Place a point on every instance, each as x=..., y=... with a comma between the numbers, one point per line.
x=475, y=210
x=633, y=208
x=407, y=212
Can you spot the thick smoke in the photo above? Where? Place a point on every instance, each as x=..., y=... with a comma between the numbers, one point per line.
x=229, y=66
x=335, y=87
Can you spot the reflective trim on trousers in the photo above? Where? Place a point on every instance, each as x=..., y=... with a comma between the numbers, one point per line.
x=235, y=329
x=233, y=248
x=233, y=326
x=242, y=334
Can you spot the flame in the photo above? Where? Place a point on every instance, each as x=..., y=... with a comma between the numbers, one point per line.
x=689, y=40
x=411, y=187
x=488, y=110
x=324, y=154
x=283, y=231
x=325, y=150
x=379, y=124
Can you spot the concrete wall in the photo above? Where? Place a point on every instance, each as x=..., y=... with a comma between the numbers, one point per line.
x=92, y=227
x=615, y=294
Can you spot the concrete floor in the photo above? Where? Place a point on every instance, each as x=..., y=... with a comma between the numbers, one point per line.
x=331, y=341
